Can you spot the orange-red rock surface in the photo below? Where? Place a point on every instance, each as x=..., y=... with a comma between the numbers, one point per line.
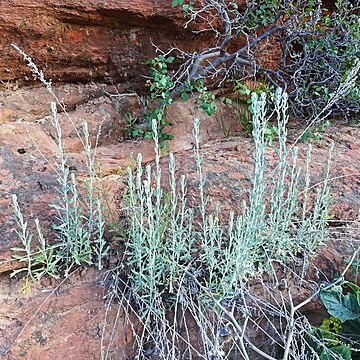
x=86, y=40
x=85, y=46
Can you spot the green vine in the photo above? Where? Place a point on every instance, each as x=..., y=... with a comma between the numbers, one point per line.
x=161, y=85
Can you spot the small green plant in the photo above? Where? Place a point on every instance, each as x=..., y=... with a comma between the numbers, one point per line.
x=41, y=259
x=245, y=108
x=205, y=99
x=79, y=226
x=317, y=134
x=339, y=335
x=79, y=229
x=161, y=87
x=130, y=122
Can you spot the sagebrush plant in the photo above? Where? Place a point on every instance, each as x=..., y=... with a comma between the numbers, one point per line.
x=79, y=226
x=317, y=50
x=184, y=258
x=39, y=258
x=270, y=234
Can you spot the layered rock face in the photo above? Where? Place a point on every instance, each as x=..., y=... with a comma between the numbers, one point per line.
x=87, y=40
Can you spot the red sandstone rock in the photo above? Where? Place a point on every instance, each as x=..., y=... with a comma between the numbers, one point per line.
x=86, y=40
x=63, y=320
x=90, y=41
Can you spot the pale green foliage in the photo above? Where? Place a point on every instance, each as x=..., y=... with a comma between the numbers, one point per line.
x=39, y=259
x=79, y=226
x=80, y=223
x=186, y=257
x=24, y=254
x=162, y=232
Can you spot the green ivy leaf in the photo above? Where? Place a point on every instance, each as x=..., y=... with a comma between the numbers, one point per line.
x=177, y=2
x=344, y=307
